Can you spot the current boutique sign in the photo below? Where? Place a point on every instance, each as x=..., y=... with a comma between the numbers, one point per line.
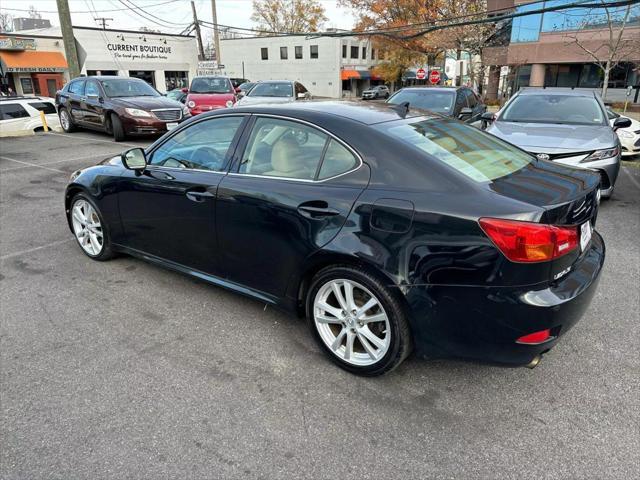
x=139, y=51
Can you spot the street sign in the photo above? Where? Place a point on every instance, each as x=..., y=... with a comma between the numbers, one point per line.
x=434, y=77
x=421, y=74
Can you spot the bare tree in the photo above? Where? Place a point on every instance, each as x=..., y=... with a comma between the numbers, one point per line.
x=615, y=48
x=33, y=12
x=6, y=22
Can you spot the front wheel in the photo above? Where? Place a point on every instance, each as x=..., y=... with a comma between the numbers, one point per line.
x=89, y=228
x=357, y=321
x=117, y=128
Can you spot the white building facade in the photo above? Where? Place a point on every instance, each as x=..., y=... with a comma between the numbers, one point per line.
x=333, y=67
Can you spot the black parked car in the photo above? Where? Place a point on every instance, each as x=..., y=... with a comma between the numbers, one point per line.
x=119, y=106
x=390, y=229
x=457, y=102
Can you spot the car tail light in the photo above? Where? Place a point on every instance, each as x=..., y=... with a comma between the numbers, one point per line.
x=530, y=242
x=535, y=338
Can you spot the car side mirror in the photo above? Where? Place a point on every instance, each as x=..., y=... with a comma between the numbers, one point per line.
x=241, y=94
x=301, y=96
x=184, y=90
x=134, y=159
x=621, y=122
x=237, y=90
x=488, y=117
x=465, y=112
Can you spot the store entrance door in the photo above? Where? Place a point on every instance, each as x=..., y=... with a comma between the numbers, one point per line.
x=146, y=75
x=52, y=87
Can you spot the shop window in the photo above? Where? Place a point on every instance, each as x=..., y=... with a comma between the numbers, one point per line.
x=283, y=53
x=146, y=75
x=46, y=107
x=175, y=79
x=313, y=51
x=110, y=73
x=591, y=76
x=264, y=53
x=344, y=50
x=298, y=53
x=522, y=77
x=354, y=52
x=27, y=85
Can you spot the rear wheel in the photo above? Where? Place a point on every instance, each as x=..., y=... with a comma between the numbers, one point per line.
x=65, y=121
x=116, y=128
x=357, y=321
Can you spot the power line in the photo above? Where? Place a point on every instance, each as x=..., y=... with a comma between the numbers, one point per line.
x=90, y=11
x=152, y=15
x=135, y=10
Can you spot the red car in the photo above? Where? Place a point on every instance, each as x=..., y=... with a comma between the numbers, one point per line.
x=210, y=93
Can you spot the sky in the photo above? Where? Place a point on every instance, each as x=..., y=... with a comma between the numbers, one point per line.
x=230, y=12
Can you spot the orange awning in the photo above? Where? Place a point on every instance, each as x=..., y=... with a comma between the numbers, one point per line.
x=349, y=74
x=32, y=61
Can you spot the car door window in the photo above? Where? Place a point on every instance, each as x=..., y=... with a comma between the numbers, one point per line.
x=282, y=148
x=77, y=87
x=461, y=101
x=92, y=89
x=471, y=99
x=203, y=145
x=12, y=110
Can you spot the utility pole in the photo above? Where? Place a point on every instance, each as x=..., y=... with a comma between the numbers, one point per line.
x=216, y=36
x=69, y=40
x=198, y=34
x=103, y=21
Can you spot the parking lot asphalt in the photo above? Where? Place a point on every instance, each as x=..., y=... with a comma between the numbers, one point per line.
x=125, y=370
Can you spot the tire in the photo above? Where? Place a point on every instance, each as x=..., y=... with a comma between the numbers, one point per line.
x=92, y=234
x=65, y=119
x=334, y=331
x=117, y=129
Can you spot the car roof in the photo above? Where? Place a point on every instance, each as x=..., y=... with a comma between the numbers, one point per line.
x=434, y=87
x=22, y=98
x=276, y=81
x=366, y=113
x=556, y=91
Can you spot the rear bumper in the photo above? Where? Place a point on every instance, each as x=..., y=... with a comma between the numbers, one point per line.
x=483, y=323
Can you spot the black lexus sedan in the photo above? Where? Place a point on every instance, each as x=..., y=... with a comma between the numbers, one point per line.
x=390, y=229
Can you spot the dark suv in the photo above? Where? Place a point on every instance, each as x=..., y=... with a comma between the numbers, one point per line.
x=120, y=106
x=457, y=102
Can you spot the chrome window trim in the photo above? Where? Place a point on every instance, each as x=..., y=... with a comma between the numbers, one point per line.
x=178, y=169
x=317, y=127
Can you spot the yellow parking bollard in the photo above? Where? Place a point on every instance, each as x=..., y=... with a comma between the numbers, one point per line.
x=44, y=121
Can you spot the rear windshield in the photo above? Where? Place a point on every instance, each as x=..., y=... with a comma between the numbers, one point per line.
x=476, y=154
x=46, y=107
x=271, y=90
x=436, y=100
x=569, y=109
x=128, y=88
x=211, y=85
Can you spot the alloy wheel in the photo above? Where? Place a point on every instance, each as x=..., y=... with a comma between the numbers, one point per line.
x=351, y=322
x=64, y=119
x=87, y=227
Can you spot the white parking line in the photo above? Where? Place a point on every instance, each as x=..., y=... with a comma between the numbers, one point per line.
x=35, y=249
x=633, y=180
x=91, y=139
x=107, y=154
x=31, y=165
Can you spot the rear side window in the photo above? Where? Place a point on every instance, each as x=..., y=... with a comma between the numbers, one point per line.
x=77, y=87
x=337, y=160
x=46, y=107
x=478, y=155
x=12, y=110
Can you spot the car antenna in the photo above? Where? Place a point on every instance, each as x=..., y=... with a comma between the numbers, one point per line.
x=401, y=108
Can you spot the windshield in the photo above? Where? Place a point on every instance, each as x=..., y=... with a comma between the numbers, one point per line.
x=271, y=90
x=436, y=100
x=128, y=88
x=478, y=155
x=567, y=109
x=211, y=85
x=175, y=94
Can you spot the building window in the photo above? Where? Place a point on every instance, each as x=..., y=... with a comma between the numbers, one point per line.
x=146, y=75
x=526, y=28
x=93, y=73
x=344, y=50
x=27, y=85
x=354, y=52
x=264, y=53
x=364, y=53
x=283, y=53
x=313, y=51
x=298, y=53
x=580, y=18
x=373, y=54
x=173, y=79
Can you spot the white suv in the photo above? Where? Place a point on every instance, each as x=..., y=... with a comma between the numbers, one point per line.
x=21, y=115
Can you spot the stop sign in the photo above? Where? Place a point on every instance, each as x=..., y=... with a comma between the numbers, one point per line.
x=421, y=73
x=434, y=76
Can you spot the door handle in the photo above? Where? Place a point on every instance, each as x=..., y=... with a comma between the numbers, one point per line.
x=317, y=209
x=198, y=196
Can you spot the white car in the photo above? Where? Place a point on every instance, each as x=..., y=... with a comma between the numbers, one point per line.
x=274, y=91
x=21, y=115
x=629, y=137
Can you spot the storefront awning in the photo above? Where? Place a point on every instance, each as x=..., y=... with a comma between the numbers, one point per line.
x=30, y=61
x=358, y=75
